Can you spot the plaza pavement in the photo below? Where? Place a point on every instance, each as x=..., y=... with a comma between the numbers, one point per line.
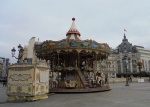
x=135, y=95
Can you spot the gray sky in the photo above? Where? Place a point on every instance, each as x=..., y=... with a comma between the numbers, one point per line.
x=100, y=20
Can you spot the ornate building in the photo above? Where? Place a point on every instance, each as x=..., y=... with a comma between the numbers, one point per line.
x=144, y=57
x=132, y=53
x=135, y=54
x=112, y=64
x=1, y=67
x=4, y=63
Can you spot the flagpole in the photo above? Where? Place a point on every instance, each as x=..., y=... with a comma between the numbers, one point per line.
x=124, y=31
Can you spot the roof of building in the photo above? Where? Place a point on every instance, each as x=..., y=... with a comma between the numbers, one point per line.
x=138, y=46
x=126, y=46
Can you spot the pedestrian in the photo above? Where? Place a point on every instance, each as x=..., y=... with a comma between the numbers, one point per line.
x=131, y=79
x=4, y=83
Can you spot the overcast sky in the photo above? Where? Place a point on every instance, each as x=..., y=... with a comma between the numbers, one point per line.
x=100, y=20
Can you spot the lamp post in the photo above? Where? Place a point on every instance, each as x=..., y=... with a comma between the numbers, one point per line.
x=21, y=50
x=126, y=60
x=139, y=64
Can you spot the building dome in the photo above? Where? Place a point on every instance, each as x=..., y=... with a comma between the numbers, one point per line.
x=126, y=46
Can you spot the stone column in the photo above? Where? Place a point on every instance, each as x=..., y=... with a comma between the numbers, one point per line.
x=58, y=60
x=121, y=66
x=96, y=66
x=78, y=60
x=58, y=70
x=115, y=75
x=131, y=68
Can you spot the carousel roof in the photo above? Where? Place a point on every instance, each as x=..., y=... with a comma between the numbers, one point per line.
x=72, y=42
x=73, y=33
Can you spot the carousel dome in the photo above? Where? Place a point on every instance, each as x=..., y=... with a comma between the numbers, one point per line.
x=73, y=33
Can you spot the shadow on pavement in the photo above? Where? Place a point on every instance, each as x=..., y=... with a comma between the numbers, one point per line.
x=22, y=101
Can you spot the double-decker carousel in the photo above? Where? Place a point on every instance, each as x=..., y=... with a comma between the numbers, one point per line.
x=76, y=65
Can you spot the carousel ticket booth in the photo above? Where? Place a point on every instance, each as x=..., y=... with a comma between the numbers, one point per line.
x=75, y=64
x=28, y=82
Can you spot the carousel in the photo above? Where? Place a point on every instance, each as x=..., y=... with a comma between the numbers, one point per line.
x=76, y=65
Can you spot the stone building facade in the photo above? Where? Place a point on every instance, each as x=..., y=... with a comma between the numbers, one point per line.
x=144, y=57
x=134, y=54
x=112, y=64
x=4, y=64
x=1, y=67
x=28, y=54
x=126, y=48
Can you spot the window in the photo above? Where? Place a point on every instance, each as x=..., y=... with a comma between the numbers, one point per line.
x=133, y=56
x=133, y=61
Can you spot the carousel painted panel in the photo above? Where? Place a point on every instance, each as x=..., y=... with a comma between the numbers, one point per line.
x=20, y=82
x=62, y=44
x=95, y=45
x=52, y=44
x=42, y=81
x=74, y=44
x=84, y=44
x=37, y=47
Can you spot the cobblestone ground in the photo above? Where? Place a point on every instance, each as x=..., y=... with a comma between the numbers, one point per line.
x=135, y=95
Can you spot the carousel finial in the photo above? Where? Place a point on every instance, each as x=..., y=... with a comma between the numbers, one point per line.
x=73, y=19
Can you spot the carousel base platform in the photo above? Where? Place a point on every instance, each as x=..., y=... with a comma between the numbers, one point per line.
x=31, y=98
x=79, y=90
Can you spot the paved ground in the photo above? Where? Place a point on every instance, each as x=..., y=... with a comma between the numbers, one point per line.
x=135, y=95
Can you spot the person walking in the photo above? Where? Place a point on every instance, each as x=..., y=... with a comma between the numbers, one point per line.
x=4, y=83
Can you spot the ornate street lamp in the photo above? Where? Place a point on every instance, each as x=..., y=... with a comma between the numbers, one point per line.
x=13, y=51
x=21, y=50
x=126, y=60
